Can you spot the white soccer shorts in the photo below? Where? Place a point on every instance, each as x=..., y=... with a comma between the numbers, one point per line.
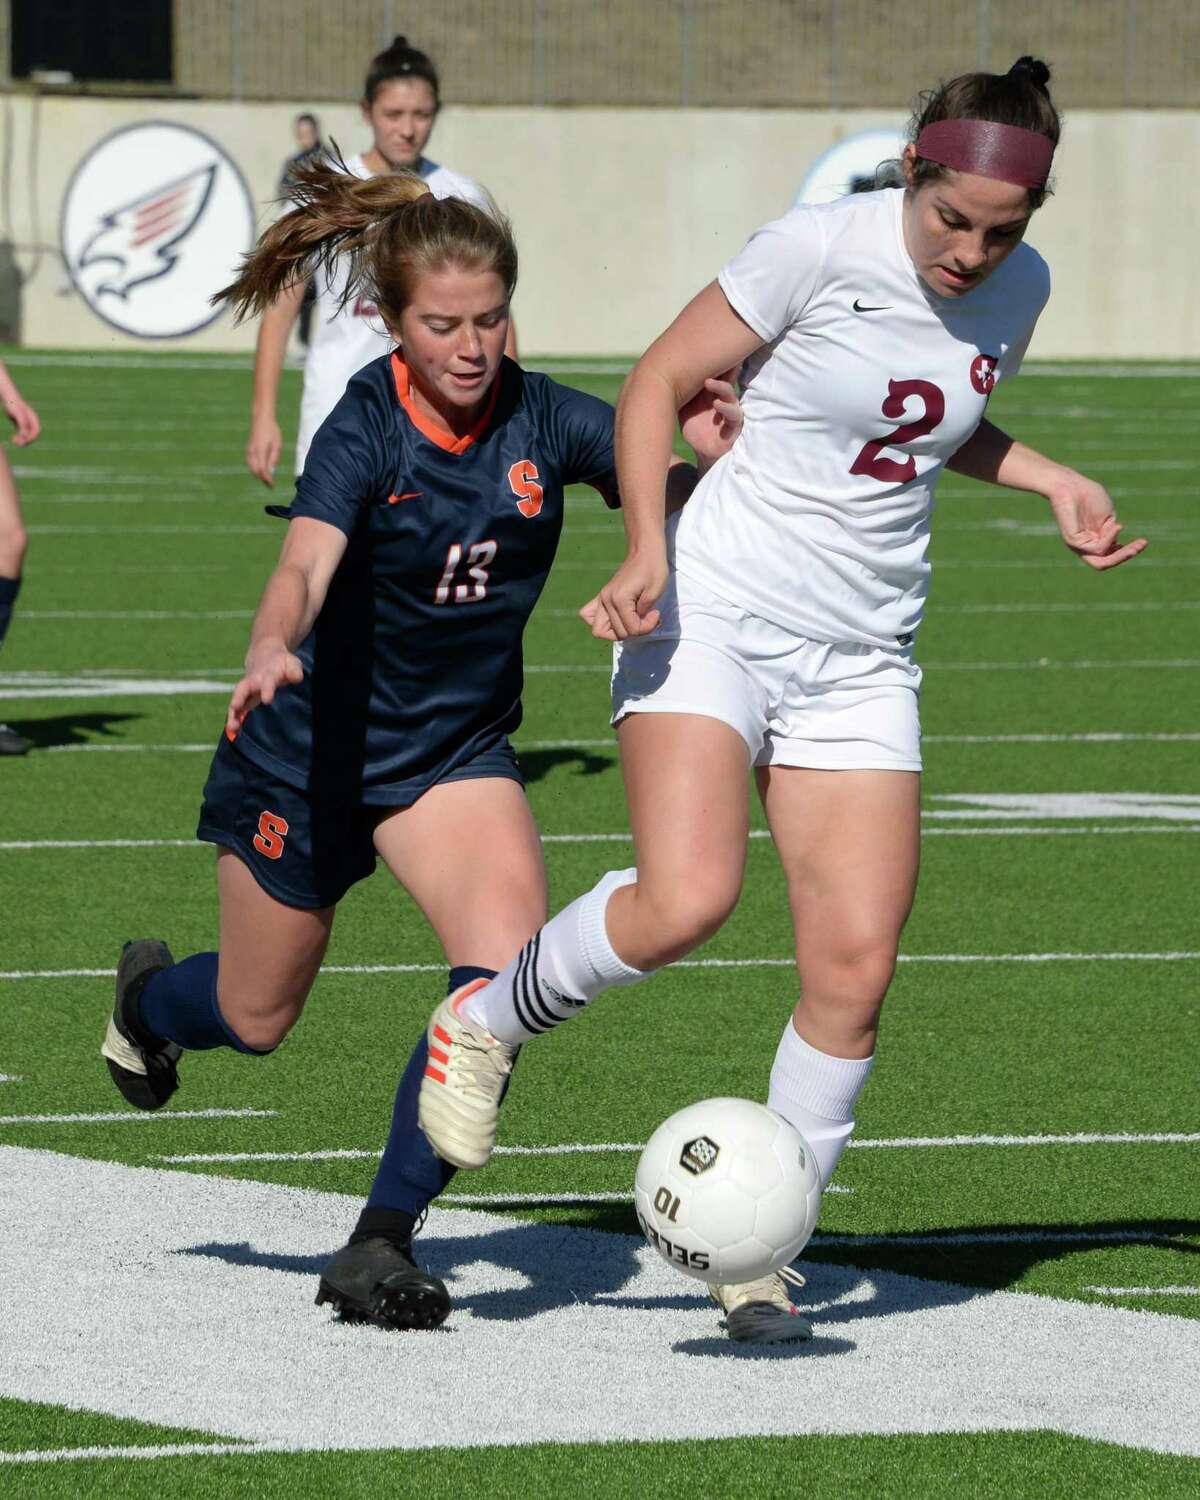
x=814, y=704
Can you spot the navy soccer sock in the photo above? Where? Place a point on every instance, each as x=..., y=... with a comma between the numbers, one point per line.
x=180, y=1005
x=9, y=589
x=411, y=1173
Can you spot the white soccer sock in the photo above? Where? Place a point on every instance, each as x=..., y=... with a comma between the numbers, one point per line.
x=816, y=1093
x=560, y=969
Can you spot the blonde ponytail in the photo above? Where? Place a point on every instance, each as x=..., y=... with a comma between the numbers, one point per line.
x=391, y=228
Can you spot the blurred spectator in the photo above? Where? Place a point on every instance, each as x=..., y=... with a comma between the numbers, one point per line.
x=307, y=130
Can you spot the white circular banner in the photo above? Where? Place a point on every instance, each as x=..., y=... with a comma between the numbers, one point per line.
x=154, y=221
x=850, y=165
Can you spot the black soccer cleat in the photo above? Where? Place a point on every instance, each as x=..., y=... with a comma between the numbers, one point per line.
x=12, y=743
x=377, y=1280
x=142, y=1065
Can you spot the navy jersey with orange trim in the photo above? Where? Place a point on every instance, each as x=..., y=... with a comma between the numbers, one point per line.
x=414, y=664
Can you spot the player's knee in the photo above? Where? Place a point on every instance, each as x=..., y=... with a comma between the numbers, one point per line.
x=260, y=1023
x=14, y=542
x=853, y=975
x=679, y=915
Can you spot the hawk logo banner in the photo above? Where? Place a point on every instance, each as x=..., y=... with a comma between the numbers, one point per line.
x=154, y=221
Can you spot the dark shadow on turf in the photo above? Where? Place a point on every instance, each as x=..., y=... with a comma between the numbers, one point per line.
x=70, y=729
x=568, y=1264
x=724, y=1348
x=537, y=764
x=993, y=1266
x=563, y=1266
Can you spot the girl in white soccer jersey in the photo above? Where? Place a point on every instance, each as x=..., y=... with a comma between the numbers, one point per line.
x=772, y=623
x=400, y=103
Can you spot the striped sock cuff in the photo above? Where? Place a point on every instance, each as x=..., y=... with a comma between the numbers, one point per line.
x=533, y=1009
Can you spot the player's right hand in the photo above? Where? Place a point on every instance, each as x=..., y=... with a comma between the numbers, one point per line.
x=263, y=449
x=24, y=419
x=624, y=607
x=268, y=668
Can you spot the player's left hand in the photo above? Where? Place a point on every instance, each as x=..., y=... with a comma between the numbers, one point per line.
x=24, y=419
x=1088, y=522
x=712, y=419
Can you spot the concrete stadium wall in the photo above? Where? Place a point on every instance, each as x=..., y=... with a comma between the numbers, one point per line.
x=621, y=215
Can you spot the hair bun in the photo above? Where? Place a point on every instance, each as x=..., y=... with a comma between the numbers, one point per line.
x=1032, y=68
x=400, y=43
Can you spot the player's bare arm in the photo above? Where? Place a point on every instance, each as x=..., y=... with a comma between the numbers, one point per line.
x=1083, y=509
x=265, y=441
x=710, y=423
x=23, y=417
x=706, y=340
x=289, y=607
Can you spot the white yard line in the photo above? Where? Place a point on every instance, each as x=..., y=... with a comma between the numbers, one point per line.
x=1182, y=956
x=619, y=1148
x=124, y=685
x=899, y=1240
x=125, y=1117
x=158, y=1450
x=1091, y=737
x=11, y=1078
x=1006, y=831
x=136, y=614
x=1144, y=1291
x=1121, y=607
x=566, y=365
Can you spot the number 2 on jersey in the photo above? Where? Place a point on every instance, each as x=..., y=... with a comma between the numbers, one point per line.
x=870, y=461
x=479, y=559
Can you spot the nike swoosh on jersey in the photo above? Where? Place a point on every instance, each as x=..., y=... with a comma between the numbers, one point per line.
x=886, y=307
x=407, y=495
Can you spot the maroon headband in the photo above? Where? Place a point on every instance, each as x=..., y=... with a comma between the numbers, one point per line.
x=987, y=149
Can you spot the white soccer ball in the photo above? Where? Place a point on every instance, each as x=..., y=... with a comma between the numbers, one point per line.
x=727, y=1190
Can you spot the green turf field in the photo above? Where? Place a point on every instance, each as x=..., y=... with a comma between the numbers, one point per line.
x=1006, y=1285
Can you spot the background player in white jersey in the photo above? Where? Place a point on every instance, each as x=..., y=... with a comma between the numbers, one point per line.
x=400, y=103
x=772, y=624
x=26, y=426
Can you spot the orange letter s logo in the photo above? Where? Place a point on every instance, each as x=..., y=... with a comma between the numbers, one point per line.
x=272, y=830
x=521, y=478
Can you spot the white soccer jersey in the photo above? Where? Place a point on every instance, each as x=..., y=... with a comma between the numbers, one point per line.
x=818, y=517
x=343, y=340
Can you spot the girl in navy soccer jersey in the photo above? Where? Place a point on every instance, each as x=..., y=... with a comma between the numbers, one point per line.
x=771, y=624
x=383, y=676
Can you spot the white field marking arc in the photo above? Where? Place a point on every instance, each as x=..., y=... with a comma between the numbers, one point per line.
x=1007, y=830
x=1144, y=1291
x=1091, y=737
x=618, y=1148
x=123, y=1117
x=1028, y=1352
x=699, y=963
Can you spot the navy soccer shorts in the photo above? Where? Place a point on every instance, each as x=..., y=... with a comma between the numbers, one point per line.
x=305, y=852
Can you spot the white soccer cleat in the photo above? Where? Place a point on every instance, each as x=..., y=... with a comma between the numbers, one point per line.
x=464, y=1083
x=762, y=1311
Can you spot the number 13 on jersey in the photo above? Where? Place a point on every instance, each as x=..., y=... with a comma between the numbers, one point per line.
x=479, y=558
